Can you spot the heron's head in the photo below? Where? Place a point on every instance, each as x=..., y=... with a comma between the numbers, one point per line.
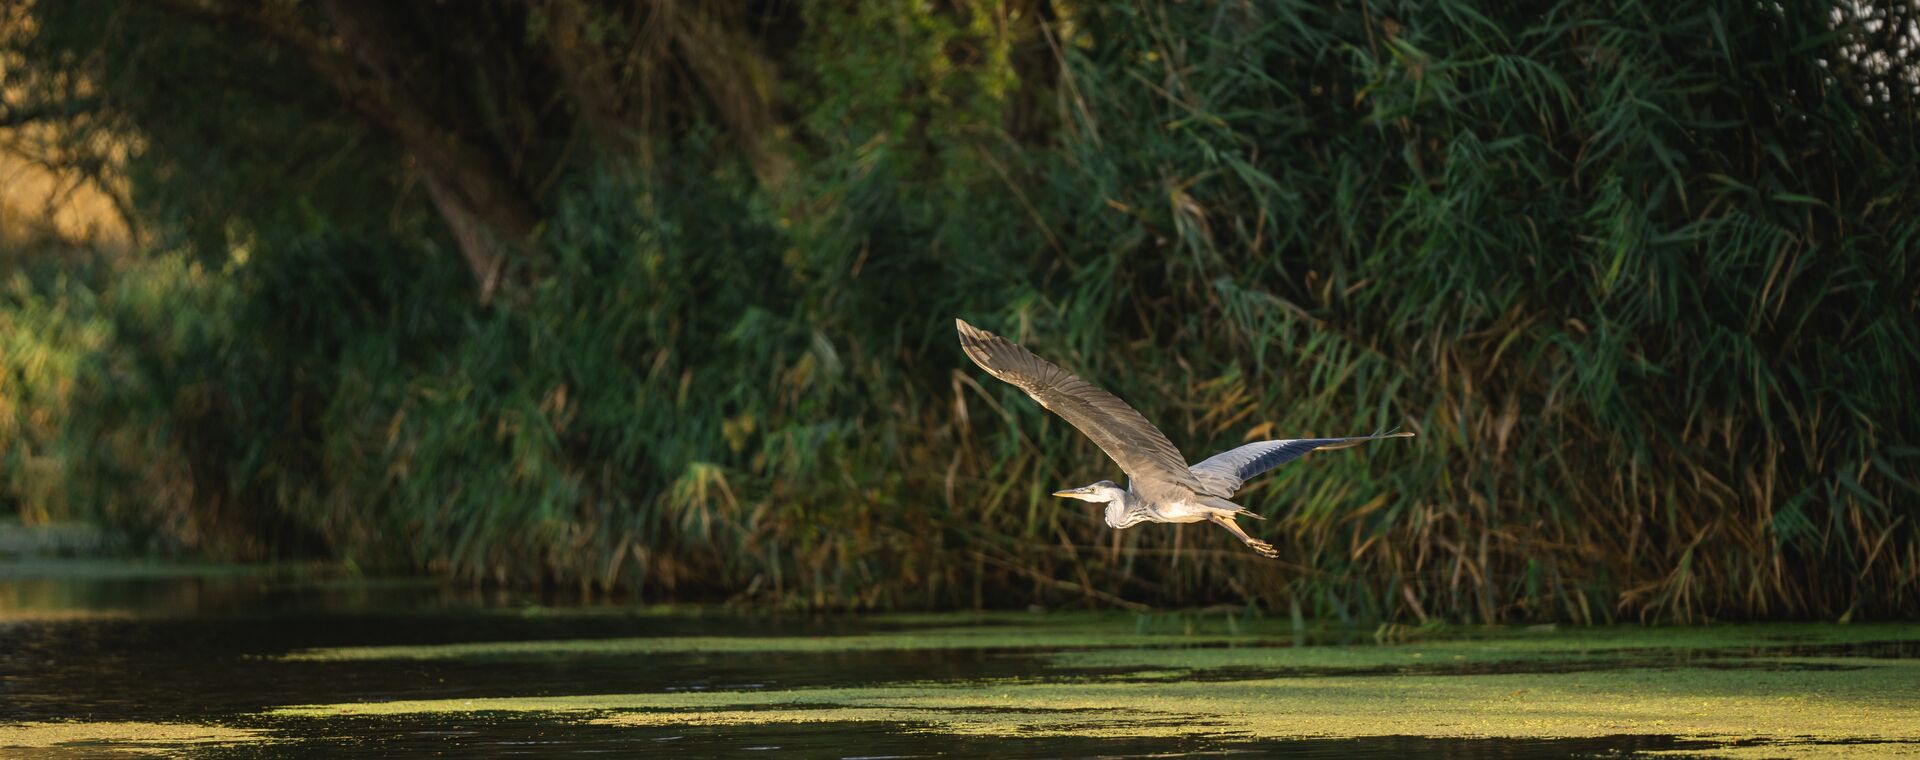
x=1105, y=490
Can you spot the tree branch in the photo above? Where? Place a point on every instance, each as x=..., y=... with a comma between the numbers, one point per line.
x=482, y=205
x=15, y=116
x=317, y=50
x=584, y=70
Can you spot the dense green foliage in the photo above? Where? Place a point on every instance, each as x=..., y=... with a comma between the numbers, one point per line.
x=1642, y=277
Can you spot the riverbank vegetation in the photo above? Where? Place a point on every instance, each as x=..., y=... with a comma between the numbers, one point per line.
x=662, y=299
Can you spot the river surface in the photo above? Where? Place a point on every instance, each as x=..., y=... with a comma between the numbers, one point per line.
x=101, y=659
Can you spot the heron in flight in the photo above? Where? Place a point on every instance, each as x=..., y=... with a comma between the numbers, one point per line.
x=1160, y=486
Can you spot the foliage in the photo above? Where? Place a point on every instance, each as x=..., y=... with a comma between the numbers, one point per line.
x=1642, y=278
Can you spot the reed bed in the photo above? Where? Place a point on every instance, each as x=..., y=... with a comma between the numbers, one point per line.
x=1642, y=278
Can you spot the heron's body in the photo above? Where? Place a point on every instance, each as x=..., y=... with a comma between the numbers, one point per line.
x=1161, y=486
x=1168, y=505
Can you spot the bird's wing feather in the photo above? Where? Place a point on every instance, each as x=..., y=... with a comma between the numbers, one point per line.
x=1222, y=474
x=1141, y=450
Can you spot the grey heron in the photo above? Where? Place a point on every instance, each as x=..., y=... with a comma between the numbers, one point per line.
x=1161, y=487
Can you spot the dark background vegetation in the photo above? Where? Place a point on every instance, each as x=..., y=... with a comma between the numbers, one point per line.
x=659, y=296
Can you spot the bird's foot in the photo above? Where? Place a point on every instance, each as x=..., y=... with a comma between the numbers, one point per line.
x=1265, y=549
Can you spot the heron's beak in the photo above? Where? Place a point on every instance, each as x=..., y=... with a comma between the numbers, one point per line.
x=1069, y=492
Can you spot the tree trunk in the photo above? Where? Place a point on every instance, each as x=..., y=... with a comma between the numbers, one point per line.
x=490, y=215
x=487, y=212
x=586, y=70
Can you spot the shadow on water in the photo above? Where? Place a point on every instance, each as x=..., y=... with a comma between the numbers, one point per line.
x=190, y=647
x=185, y=670
x=1734, y=659
x=484, y=736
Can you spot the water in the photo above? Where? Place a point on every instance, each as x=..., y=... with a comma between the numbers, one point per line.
x=102, y=660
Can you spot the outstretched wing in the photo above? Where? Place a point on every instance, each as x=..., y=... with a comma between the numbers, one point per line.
x=1222, y=474
x=1140, y=449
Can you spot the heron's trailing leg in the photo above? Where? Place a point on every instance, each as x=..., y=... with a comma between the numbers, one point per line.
x=1265, y=549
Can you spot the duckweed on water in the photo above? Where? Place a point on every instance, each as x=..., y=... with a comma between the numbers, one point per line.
x=1569, y=648
x=122, y=737
x=1072, y=632
x=1115, y=642
x=17, y=617
x=1880, y=702
x=1783, y=703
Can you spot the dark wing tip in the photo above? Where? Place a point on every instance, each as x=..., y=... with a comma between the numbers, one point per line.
x=969, y=333
x=975, y=342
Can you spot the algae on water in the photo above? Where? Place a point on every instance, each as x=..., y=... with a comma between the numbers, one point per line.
x=993, y=632
x=1790, y=689
x=122, y=736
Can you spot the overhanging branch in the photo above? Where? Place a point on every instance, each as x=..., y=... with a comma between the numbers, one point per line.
x=355, y=53
x=18, y=116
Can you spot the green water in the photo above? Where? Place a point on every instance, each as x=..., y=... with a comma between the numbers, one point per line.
x=102, y=659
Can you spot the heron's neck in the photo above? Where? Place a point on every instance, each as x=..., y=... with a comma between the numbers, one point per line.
x=1123, y=512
